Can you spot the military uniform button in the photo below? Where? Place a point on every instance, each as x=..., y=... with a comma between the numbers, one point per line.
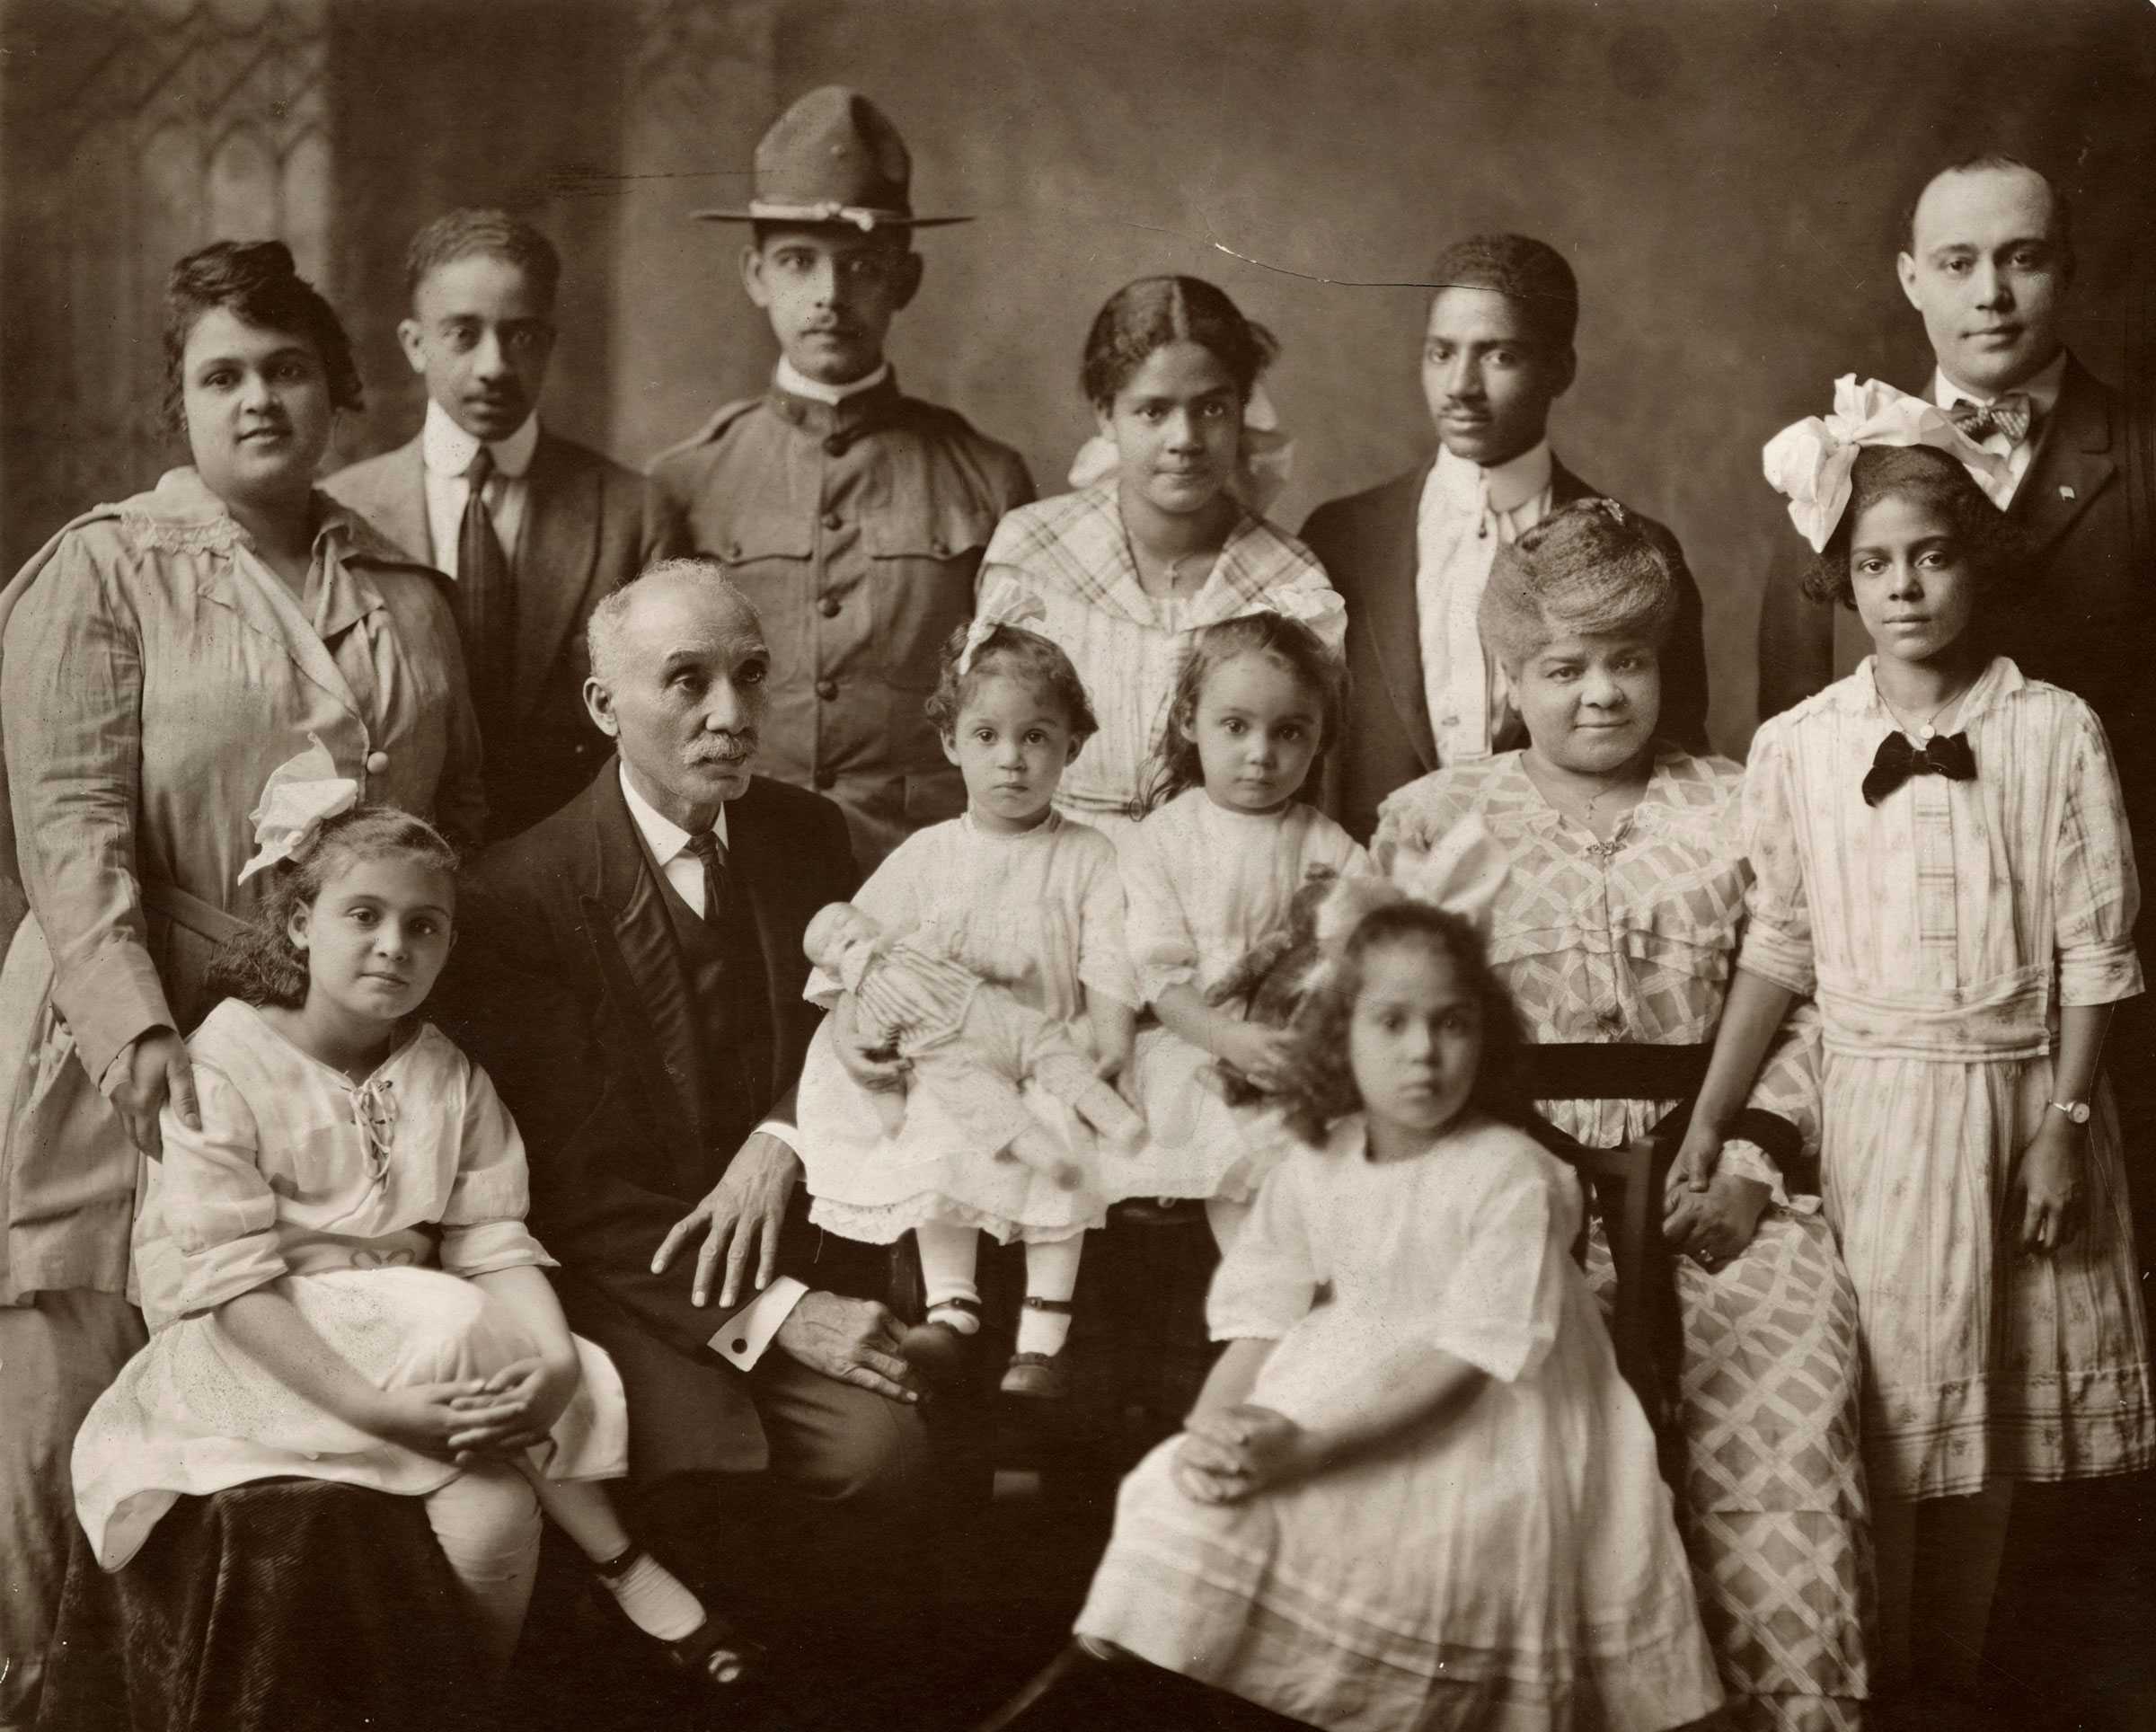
x=832, y=520
x=939, y=548
x=827, y=780
x=733, y=550
x=826, y=689
x=836, y=445
x=377, y=762
x=828, y=607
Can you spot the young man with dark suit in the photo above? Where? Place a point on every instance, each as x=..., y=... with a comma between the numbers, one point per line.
x=1413, y=556
x=532, y=529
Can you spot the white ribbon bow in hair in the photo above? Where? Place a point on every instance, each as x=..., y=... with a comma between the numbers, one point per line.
x=1266, y=457
x=1005, y=604
x=301, y=791
x=1809, y=461
x=1462, y=875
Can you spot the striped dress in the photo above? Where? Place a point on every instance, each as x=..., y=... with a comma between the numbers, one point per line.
x=1943, y=929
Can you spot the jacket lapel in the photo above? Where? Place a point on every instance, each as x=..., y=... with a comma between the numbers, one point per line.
x=399, y=509
x=2072, y=466
x=757, y=875
x=1389, y=609
x=633, y=944
x=556, y=550
x=1565, y=487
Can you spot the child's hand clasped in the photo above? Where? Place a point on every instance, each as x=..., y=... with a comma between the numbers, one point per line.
x=1259, y=1054
x=1227, y=1455
x=424, y=1417
x=514, y=1410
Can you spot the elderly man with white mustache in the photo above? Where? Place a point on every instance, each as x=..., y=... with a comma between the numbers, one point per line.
x=631, y=979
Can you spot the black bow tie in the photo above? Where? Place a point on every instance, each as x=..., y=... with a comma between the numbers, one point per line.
x=2014, y=414
x=1945, y=754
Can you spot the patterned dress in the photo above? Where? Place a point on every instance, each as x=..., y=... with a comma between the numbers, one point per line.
x=1514, y=1567
x=1040, y=914
x=1942, y=929
x=1205, y=885
x=1633, y=941
x=1072, y=552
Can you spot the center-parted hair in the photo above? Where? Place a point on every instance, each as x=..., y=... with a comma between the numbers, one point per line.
x=1153, y=312
x=261, y=964
x=1530, y=273
x=1589, y=569
x=1927, y=477
x=1285, y=643
x=1319, y=1087
x=258, y=284
x=1012, y=653
x=458, y=234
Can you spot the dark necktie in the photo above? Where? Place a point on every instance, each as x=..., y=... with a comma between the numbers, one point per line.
x=485, y=603
x=2014, y=415
x=707, y=848
x=1944, y=754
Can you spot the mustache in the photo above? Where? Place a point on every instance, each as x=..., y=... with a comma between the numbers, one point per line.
x=725, y=748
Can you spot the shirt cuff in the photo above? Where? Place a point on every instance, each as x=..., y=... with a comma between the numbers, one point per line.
x=787, y=1134
x=743, y=1336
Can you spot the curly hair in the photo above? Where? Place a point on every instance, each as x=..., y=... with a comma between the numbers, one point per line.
x=261, y=964
x=1015, y=653
x=258, y=284
x=1320, y=1088
x=458, y=234
x=1924, y=476
x=1287, y=643
x=1589, y=569
x=1156, y=311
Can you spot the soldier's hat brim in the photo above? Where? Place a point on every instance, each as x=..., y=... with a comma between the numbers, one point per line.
x=861, y=217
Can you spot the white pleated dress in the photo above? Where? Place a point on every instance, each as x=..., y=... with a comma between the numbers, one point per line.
x=1040, y=913
x=1515, y=1566
x=371, y=1237
x=1204, y=886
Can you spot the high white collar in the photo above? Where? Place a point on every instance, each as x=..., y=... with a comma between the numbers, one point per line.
x=792, y=380
x=447, y=450
x=1466, y=485
x=661, y=835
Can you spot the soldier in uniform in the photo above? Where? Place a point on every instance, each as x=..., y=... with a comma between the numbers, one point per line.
x=852, y=516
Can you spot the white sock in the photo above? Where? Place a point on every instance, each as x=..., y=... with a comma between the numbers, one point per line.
x=948, y=1255
x=1226, y=1216
x=1051, y=1273
x=655, y=1599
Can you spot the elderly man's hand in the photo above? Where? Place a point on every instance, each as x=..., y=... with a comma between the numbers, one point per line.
x=854, y=1340
x=745, y=1211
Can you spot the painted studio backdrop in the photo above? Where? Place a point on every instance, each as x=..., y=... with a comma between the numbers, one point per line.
x=1726, y=175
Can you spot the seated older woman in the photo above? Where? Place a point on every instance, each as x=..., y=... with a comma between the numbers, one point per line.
x=1614, y=931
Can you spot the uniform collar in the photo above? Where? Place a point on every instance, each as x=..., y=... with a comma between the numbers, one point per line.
x=661, y=835
x=1466, y=486
x=793, y=381
x=447, y=450
x=2042, y=390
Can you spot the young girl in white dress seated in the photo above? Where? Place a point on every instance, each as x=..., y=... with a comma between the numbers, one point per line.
x=1940, y=852
x=1209, y=875
x=1014, y=893
x=335, y=1267
x=1416, y=1492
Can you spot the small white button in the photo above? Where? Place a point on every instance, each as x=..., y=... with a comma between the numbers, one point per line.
x=377, y=762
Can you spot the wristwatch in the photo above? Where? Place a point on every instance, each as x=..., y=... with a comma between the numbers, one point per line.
x=2077, y=1110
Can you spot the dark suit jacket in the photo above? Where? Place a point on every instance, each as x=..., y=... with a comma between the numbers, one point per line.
x=1367, y=544
x=587, y=528
x=2081, y=612
x=561, y=930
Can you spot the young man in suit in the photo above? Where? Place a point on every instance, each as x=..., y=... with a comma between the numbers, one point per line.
x=631, y=980
x=854, y=516
x=531, y=528
x=1413, y=556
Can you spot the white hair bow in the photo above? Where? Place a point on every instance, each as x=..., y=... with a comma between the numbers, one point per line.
x=1006, y=603
x=1267, y=459
x=1462, y=875
x=301, y=792
x=1809, y=461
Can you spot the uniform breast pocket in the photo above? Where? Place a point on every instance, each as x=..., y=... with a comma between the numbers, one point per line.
x=765, y=552
x=922, y=557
